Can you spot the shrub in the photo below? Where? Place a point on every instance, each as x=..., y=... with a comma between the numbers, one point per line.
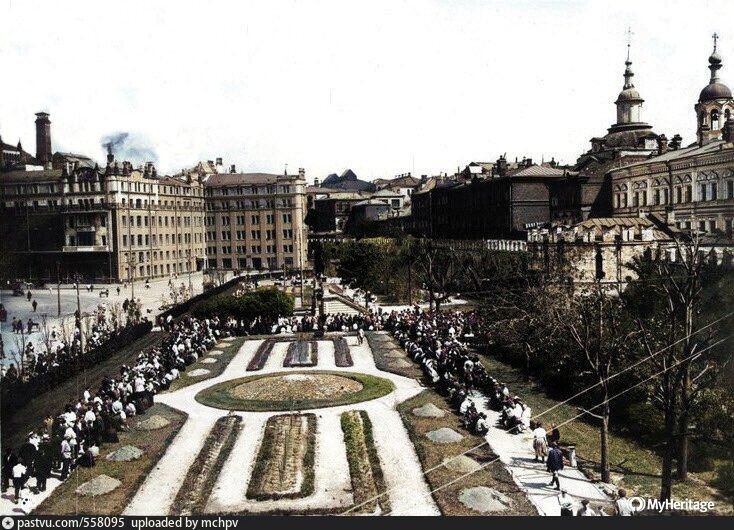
x=268, y=304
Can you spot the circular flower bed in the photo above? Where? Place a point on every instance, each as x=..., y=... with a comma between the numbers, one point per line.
x=294, y=391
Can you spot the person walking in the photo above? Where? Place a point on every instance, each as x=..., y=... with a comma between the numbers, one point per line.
x=554, y=464
x=360, y=336
x=29, y=295
x=66, y=456
x=35, y=305
x=19, y=471
x=540, y=443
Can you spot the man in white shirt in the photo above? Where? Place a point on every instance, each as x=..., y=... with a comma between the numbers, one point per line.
x=540, y=442
x=19, y=471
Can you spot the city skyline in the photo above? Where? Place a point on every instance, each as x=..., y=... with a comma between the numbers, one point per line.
x=381, y=88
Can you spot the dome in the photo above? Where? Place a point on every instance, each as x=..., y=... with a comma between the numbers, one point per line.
x=714, y=91
x=629, y=94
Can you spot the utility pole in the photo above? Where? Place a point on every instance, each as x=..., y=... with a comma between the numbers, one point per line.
x=58, y=289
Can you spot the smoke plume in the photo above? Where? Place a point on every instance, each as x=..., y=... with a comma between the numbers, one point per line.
x=131, y=147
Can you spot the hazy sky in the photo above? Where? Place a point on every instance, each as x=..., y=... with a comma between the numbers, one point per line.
x=383, y=87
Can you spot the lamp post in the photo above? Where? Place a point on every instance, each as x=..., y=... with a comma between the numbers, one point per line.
x=188, y=263
x=77, y=278
x=58, y=289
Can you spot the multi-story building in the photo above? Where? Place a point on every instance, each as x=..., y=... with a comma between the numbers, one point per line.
x=69, y=217
x=255, y=221
x=691, y=187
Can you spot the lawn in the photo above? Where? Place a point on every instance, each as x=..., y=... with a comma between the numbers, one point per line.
x=65, y=501
x=229, y=350
x=432, y=455
x=634, y=466
x=219, y=395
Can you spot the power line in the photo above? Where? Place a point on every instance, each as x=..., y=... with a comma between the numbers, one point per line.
x=352, y=508
x=695, y=354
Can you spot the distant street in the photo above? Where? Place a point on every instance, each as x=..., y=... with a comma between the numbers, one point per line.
x=20, y=308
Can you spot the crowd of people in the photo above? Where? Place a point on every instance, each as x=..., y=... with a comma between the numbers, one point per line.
x=74, y=435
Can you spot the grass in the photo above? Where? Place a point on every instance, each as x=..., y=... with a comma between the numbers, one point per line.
x=364, y=465
x=229, y=350
x=65, y=501
x=639, y=465
x=432, y=455
x=266, y=454
x=203, y=473
x=219, y=395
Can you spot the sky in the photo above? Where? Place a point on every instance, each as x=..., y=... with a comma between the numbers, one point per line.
x=382, y=87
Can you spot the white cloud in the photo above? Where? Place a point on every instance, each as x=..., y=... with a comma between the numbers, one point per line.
x=382, y=86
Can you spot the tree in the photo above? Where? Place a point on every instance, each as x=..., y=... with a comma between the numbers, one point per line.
x=668, y=300
x=602, y=331
x=439, y=268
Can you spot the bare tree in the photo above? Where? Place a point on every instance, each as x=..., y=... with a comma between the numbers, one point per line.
x=602, y=331
x=439, y=268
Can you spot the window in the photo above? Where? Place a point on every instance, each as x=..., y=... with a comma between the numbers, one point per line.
x=656, y=199
x=702, y=195
x=730, y=189
x=702, y=226
x=714, y=119
x=714, y=191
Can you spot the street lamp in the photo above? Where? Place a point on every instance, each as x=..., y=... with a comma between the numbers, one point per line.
x=77, y=278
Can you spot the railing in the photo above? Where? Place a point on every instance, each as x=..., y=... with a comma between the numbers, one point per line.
x=86, y=248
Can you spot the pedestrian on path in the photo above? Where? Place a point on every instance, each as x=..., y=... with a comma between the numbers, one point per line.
x=540, y=442
x=554, y=464
x=19, y=471
x=35, y=305
x=360, y=336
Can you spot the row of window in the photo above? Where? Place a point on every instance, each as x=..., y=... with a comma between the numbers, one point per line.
x=271, y=262
x=144, y=240
x=709, y=225
x=251, y=204
x=707, y=191
x=144, y=270
x=254, y=219
x=143, y=220
x=270, y=189
x=254, y=249
x=240, y=235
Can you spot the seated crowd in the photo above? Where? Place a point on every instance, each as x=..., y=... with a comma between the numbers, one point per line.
x=437, y=340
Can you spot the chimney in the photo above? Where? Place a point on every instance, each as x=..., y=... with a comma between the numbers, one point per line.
x=301, y=173
x=662, y=144
x=316, y=182
x=232, y=169
x=43, y=138
x=675, y=142
x=501, y=166
x=424, y=179
x=219, y=161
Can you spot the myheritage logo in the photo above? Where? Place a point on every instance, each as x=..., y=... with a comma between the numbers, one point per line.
x=641, y=504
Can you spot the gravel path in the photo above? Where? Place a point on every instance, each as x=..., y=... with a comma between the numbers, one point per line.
x=408, y=491
x=516, y=453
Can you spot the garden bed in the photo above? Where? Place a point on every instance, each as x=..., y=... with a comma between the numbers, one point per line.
x=368, y=483
x=342, y=356
x=284, y=468
x=197, y=486
x=261, y=355
x=302, y=353
x=294, y=391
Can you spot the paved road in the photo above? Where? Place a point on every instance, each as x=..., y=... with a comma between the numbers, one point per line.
x=19, y=306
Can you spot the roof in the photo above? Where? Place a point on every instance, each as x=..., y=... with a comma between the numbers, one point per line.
x=714, y=91
x=538, y=171
x=243, y=179
x=386, y=193
x=347, y=181
x=685, y=152
x=28, y=176
x=614, y=222
x=74, y=157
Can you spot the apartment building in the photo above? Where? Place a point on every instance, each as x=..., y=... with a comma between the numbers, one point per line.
x=255, y=221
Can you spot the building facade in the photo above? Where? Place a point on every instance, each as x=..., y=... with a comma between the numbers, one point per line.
x=255, y=221
x=692, y=188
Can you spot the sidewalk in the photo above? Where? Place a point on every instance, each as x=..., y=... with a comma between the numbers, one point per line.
x=516, y=453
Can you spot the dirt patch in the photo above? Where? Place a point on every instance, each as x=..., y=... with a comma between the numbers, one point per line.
x=484, y=500
x=99, y=485
x=197, y=486
x=285, y=461
x=433, y=456
x=296, y=386
x=125, y=454
x=152, y=423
